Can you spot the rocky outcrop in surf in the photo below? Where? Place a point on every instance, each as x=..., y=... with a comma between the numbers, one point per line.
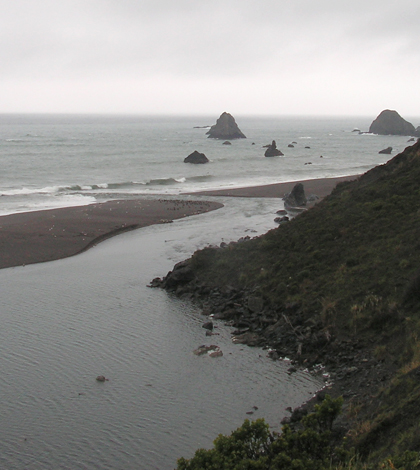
x=225, y=128
x=196, y=157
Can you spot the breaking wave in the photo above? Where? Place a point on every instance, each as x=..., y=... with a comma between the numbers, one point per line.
x=129, y=186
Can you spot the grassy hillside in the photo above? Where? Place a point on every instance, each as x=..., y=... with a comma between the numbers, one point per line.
x=349, y=260
x=350, y=264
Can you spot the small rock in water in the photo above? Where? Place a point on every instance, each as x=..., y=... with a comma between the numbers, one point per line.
x=280, y=220
x=203, y=349
x=208, y=325
x=217, y=353
x=386, y=151
x=101, y=378
x=210, y=333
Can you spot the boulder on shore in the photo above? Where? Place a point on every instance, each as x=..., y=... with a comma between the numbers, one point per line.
x=296, y=198
x=386, y=151
x=272, y=150
x=196, y=157
x=225, y=128
x=389, y=122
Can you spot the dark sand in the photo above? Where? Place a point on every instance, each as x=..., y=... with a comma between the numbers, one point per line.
x=321, y=187
x=35, y=237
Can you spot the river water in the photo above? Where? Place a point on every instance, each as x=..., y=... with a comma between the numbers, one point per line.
x=65, y=322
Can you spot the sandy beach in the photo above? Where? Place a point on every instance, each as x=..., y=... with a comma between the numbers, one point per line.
x=321, y=187
x=35, y=237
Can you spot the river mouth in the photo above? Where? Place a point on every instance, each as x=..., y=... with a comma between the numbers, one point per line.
x=66, y=322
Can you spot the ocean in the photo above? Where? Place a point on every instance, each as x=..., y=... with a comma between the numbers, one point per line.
x=52, y=161
x=65, y=322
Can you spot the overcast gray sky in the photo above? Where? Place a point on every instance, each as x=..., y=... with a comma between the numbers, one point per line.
x=327, y=57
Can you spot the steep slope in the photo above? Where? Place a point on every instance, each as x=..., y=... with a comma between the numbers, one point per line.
x=360, y=241
x=340, y=282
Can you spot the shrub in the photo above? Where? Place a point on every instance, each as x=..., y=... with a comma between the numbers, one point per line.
x=254, y=447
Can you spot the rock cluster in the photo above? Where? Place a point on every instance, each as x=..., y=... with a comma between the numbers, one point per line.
x=386, y=151
x=389, y=122
x=212, y=350
x=225, y=128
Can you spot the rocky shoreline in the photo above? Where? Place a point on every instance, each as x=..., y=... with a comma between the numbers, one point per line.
x=349, y=366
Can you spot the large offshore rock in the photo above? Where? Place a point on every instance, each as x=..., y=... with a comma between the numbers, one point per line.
x=225, y=128
x=391, y=123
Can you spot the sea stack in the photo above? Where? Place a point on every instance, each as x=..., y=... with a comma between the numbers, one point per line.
x=273, y=151
x=391, y=123
x=225, y=128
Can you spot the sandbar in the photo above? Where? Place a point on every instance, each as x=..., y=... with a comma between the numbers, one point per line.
x=47, y=235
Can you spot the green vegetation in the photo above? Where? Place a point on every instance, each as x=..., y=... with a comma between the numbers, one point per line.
x=351, y=263
x=253, y=446
x=311, y=447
